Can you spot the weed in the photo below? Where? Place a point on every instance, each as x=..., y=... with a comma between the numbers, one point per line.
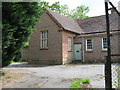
x=76, y=84
x=37, y=86
x=93, y=66
x=81, y=83
x=71, y=79
x=72, y=60
x=10, y=77
x=65, y=63
x=2, y=73
x=86, y=81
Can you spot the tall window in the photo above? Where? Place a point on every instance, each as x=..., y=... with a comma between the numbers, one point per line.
x=44, y=39
x=104, y=43
x=88, y=44
x=69, y=44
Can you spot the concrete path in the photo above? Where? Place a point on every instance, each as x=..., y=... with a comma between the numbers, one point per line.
x=60, y=76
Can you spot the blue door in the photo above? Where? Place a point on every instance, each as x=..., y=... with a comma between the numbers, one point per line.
x=77, y=52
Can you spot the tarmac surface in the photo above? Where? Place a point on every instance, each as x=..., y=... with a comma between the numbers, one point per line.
x=58, y=76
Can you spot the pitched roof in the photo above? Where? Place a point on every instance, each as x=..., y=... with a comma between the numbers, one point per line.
x=65, y=22
x=88, y=25
x=98, y=24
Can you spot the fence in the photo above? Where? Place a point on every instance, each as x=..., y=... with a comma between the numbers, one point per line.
x=115, y=69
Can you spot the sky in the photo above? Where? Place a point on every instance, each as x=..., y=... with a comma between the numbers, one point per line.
x=96, y=7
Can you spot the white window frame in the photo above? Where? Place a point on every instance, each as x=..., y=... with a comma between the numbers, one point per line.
x=69, y=44
x=87, y=45
x=44, y=39
x=103, y=44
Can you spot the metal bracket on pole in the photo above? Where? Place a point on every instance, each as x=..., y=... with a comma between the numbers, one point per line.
x=107, y=1
x=114, y=8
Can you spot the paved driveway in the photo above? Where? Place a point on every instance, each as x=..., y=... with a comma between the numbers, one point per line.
x=60, y=76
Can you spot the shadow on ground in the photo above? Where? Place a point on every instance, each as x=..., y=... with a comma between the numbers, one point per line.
x=25, y=64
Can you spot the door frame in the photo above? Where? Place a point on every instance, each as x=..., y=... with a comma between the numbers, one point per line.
x=81, y=52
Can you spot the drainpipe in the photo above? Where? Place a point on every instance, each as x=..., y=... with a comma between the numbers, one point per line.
x=83, y=49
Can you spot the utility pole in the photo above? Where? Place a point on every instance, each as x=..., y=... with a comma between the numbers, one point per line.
x=108, y=78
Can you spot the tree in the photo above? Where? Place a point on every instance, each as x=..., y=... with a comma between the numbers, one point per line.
x=18, y=23
x=77, y=13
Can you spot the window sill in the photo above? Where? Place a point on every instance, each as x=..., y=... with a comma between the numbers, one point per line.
x=104, y=50
x=43, y=48
x=88, y=51
x=70, y=51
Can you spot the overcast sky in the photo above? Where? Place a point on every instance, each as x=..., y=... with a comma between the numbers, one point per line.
x=96, y=6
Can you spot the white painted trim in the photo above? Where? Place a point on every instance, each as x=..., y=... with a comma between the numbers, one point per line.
x=86, y=45
x=102, y=45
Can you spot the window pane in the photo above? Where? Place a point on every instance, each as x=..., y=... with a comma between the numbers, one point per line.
x=41, y=43
x=41, y=35
x=69, y=44
x=45, y=35
x=45, y=43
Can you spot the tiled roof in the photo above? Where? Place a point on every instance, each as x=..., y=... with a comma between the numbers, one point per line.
x=98, y=24
x=88, y=25
x=65, y=22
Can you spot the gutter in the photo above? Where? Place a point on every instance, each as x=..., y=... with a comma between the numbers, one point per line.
x=96, y=34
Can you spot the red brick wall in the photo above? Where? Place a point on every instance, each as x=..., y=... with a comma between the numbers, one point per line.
x=97, y=54
x=53, y=55
x=67, y=56
x=25, y=53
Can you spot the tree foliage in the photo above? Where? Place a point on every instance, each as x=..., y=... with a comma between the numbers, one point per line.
x=19, y=19
x=77, y=13
x=80, y=12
